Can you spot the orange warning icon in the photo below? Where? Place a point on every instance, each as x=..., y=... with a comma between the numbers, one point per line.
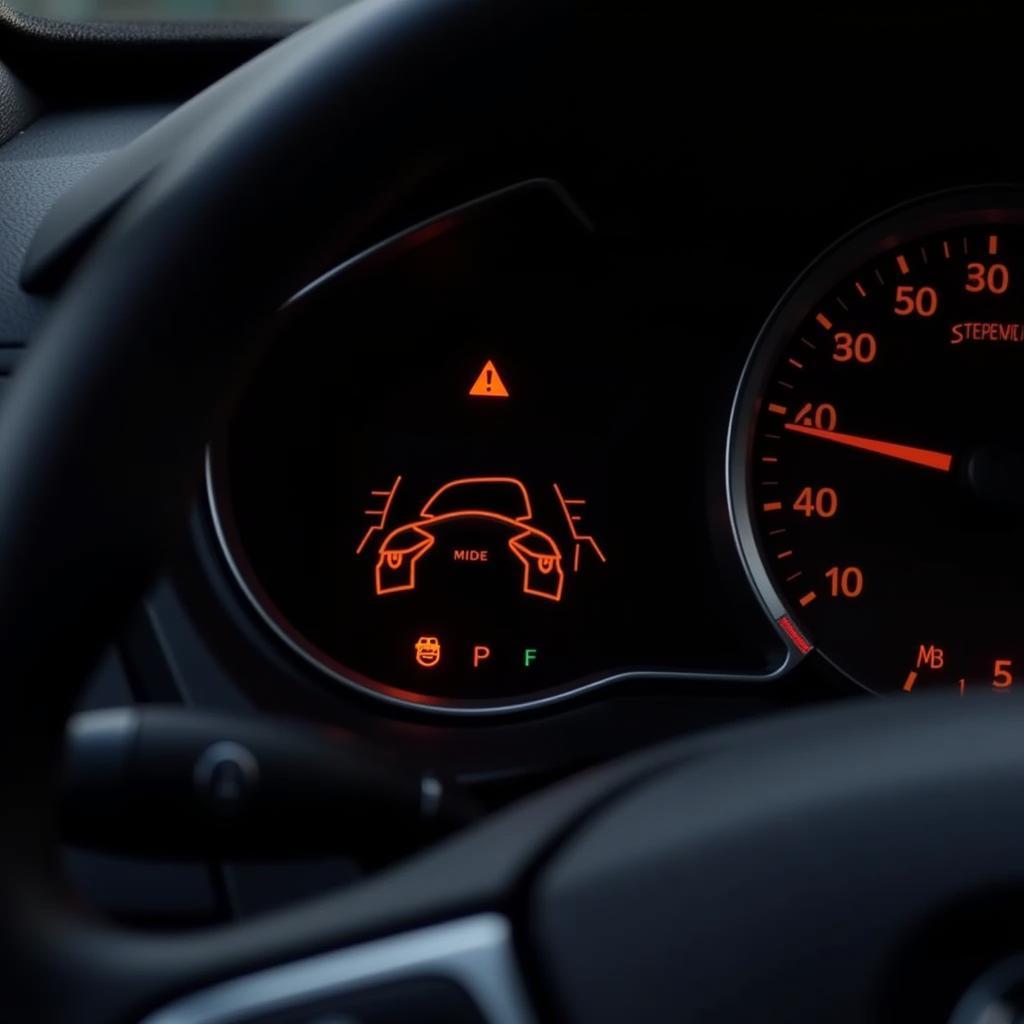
x=489, y=384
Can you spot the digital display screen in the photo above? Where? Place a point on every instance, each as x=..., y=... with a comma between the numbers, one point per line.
x=470, y=478
x=483, y=556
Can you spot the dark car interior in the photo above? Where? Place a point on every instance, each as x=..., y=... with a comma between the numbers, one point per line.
x=510, y=513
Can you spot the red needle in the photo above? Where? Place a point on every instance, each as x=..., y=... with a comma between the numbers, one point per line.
x=919, y=456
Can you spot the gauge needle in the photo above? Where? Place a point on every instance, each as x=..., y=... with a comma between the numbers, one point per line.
x=919, y=456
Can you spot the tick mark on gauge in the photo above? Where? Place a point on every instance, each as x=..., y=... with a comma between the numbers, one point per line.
x=824, y=321
x=924, y=255
x=860, y=289
x=901, y=262
x=945, y=249
x=908, y=683
x=846, y=308
x=773, y=506
x=808, y=598
x=775, y=533
x=769, y=458
x=810, y=345
x=779, y=410
x=785, y=554
x=795, y=576
x=878, y=274
x=993, y=245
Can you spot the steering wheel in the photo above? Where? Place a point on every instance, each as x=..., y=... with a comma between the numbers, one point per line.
x=803, y=868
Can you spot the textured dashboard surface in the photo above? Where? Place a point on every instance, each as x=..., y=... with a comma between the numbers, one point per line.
x=120, y=33
x=17, y=104
x=38, y=165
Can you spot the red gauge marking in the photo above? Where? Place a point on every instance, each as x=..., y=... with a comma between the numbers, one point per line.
x=802, y=644
x=903, y=452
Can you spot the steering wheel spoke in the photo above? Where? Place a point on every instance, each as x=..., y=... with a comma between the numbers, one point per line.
x=459, y=972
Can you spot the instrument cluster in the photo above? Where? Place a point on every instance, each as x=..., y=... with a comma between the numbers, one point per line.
x=480, y=472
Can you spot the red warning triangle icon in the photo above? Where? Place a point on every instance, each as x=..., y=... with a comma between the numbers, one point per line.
x=489, y=384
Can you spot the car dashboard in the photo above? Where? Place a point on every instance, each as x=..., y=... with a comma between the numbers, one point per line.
x=694, y=411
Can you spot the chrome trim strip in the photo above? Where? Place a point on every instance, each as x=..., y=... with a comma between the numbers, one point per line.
x=475, y=953
x=548, y=185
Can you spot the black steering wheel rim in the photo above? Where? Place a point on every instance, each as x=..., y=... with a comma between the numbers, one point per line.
x=138, y=364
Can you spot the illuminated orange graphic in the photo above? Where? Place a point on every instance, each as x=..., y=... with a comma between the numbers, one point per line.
x=495, y=501
x=480, y=654
x=489, y=384
x=929, y=658
x=428, y=651
x=572, y=518
x=471, y=555
x=380, y=514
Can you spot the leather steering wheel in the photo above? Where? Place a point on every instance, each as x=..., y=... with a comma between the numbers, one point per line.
x=781, y=871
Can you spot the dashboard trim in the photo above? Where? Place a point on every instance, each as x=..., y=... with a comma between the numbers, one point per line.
x=475, y=953
x=546, y=186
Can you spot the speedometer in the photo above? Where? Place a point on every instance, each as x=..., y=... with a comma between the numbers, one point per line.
x=877, y=453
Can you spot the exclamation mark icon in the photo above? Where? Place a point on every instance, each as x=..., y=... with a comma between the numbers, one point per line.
x=489, y=383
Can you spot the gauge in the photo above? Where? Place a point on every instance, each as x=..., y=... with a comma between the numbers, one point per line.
x=877, y=453
x=464, y=480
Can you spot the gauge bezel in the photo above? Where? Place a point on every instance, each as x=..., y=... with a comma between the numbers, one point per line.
x=974, y=206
